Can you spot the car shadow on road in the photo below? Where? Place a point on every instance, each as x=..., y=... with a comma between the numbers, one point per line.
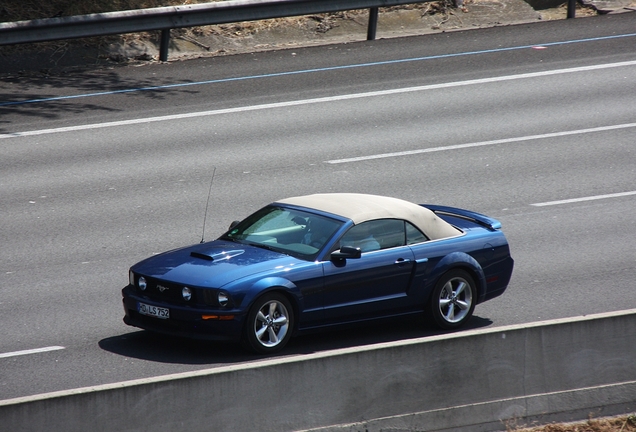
x=146, y=345
x=50, y=98
x=154, y=347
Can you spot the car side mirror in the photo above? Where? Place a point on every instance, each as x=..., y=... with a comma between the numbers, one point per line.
x=234, y=223
x=346, y=252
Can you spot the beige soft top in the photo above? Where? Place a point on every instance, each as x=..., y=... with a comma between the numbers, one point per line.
x=362, y=207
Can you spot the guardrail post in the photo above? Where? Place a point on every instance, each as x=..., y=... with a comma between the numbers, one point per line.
x=373, y=23
x=571, y=9
x=163, y=47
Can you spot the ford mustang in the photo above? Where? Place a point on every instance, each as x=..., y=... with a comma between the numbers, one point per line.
x=316, y=261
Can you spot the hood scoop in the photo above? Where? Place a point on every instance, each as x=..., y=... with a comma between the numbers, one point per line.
x=219, y=256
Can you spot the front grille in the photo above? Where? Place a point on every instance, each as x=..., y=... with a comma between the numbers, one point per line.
x=210, y=297
x=162, y=291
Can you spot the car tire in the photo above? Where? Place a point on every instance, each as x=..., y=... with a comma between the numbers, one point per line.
x=453, y=300
x=269, y=324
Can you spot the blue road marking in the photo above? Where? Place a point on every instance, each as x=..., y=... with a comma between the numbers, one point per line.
x=305, y=71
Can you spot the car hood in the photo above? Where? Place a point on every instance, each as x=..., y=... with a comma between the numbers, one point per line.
x=212, y=264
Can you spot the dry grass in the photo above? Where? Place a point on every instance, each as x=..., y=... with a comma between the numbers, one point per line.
x=12, y=10
x=560, y=12
x=614, y=424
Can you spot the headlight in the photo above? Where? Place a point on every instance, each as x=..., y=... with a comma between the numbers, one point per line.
x=186, y=293
x=131, y=278
x=142, y=283
x=224, y=298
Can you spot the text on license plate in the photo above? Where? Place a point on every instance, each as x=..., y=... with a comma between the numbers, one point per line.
x=153, y=311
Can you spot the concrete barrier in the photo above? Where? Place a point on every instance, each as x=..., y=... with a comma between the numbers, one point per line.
x=467, y=381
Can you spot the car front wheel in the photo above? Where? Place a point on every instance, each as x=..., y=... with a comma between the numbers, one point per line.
x=453, y=300
x=269, y=324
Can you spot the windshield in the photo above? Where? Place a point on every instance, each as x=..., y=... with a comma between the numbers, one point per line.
x=290, y=231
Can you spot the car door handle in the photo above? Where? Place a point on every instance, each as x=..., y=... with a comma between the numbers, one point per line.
x=402, y=261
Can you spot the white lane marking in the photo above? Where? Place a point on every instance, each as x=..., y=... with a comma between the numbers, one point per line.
x=31, y=351
x=482, y=143
x=316, y=100
x=322, y=69
x=589, y=198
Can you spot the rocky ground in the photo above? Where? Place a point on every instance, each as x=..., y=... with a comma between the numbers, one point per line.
x=616, y=424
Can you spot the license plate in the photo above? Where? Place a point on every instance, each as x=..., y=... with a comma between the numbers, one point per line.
x=153, y=311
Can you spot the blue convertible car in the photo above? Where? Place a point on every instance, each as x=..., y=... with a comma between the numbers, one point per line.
x=320, y=260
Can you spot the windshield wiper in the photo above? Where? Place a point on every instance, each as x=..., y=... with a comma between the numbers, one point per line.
x=267, y=247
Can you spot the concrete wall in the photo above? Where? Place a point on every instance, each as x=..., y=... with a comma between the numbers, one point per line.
x=467, y=381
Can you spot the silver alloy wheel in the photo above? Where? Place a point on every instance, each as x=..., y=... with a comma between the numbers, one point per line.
x=455, y=300
x=271, y=323
x=452, y=301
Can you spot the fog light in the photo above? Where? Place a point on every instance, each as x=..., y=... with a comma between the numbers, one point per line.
x=224, y=298
x=142, y=283
x=186, y=293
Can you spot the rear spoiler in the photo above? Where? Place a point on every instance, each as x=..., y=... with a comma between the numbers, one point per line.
x=488, y=222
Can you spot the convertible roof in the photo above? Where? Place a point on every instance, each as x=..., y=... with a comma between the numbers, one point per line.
x=362, y=207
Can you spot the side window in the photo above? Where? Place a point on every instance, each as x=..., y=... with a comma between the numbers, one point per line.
x=413, y=235
x=375, y=235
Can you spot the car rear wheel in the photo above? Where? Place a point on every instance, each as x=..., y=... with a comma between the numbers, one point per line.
x=453, y=300
x=269, y=324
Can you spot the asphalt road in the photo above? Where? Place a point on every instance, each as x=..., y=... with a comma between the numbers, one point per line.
x=533, y=124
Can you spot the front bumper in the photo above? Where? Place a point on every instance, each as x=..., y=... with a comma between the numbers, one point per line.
x=184, y=321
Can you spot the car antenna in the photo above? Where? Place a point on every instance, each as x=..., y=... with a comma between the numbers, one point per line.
x=206, y=205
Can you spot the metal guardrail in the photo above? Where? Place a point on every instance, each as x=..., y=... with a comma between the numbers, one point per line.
x=173, y=17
